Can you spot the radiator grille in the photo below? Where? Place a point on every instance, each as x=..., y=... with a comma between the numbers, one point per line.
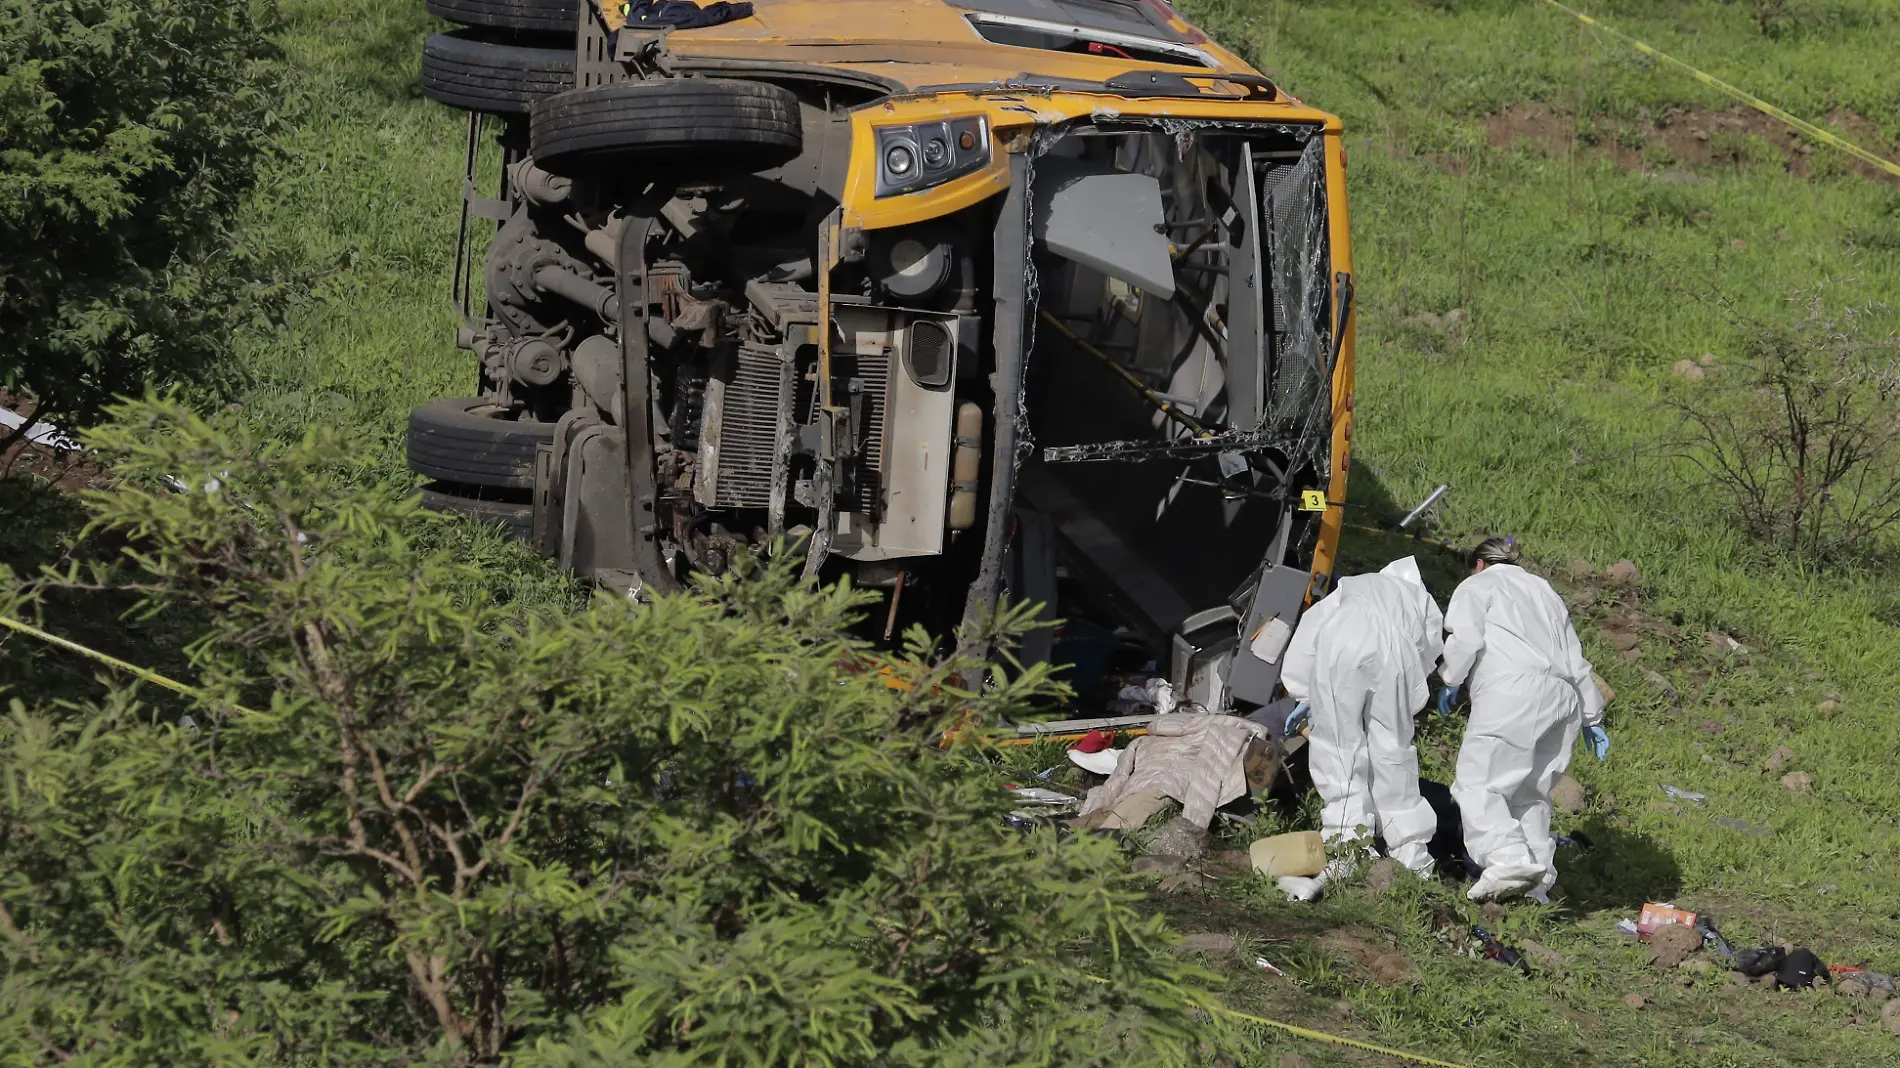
x=874, y=372
x=755, y=419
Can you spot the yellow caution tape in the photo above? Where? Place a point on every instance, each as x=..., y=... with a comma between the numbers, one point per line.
x=1321, y=1036
x=1824, y=136
x=112, y=661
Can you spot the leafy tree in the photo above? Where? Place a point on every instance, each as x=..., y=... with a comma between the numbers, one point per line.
x=408, y=822
x=129, y=136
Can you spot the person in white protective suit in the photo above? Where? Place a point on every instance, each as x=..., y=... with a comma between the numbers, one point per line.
x=1531, y=693
x=1359, y=660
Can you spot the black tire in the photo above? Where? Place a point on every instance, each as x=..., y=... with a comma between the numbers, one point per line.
x=462, y=70
x=530, y=16
x=695, y=124
x=515, y=518
x=465, y=440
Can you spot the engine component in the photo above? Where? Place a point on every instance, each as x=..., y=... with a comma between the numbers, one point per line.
x=596, y=366
x=966, y=466
x=538, y=186
x=593, y=296
x=535, y=361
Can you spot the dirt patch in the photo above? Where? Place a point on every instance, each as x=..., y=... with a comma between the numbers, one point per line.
x=1375, y=954
x=1681, y=141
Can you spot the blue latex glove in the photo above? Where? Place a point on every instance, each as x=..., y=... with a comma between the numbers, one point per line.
x=1599, y=740
x=1447, y=696
x=1302, y=714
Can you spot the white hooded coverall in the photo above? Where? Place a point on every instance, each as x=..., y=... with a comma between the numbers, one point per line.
x=1359, y=658
x=1531, y=693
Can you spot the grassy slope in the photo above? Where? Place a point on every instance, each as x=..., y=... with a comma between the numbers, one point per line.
x=1541, y=416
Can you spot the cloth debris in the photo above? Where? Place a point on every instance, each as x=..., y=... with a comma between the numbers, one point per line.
x=1680, y=794
x=673, y=14
x=1130, y=812
x=1197, y=759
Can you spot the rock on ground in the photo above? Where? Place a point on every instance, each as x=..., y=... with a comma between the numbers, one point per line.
x=1178, y=838
x=1780, y=758
x=1798, y=781
x=1294, y=1060
x=1543, y=957
x=1383, y=875
x=1210, y=943
x=1623, y=572
x=1673, y=944
x=1635, y=1001
x=1568, y=795
x=1688, y=370
x=1890, y=1017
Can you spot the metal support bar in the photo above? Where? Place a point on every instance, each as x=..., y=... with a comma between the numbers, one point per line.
x=643, y=493
x=1011, y=291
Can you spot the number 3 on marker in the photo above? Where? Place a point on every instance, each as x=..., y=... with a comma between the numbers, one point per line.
x=1312, y=501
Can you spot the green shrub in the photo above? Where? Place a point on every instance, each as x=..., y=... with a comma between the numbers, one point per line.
x=1800, y=438
x=129, y=136
x=415, y=824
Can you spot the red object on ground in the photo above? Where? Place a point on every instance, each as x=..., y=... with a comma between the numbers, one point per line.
x=1095, y=742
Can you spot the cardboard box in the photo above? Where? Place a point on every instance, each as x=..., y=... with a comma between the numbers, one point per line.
x=1654, y=916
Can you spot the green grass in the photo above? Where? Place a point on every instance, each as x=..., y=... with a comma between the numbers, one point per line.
x=1583, y=283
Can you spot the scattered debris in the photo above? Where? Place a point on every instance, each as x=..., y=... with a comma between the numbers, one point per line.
x=1680, y=794
x=1800, y=970
x=1623, y=573
x=1497, y=952
x=1038, y=796
x=1712, y=938
x=1262, y=962
x=1756, y=963
x=1568, y=795
x=1214, y=945
x=1856, y=983
x=1671, y=944
x=1799, y=782
x=1780, y=758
